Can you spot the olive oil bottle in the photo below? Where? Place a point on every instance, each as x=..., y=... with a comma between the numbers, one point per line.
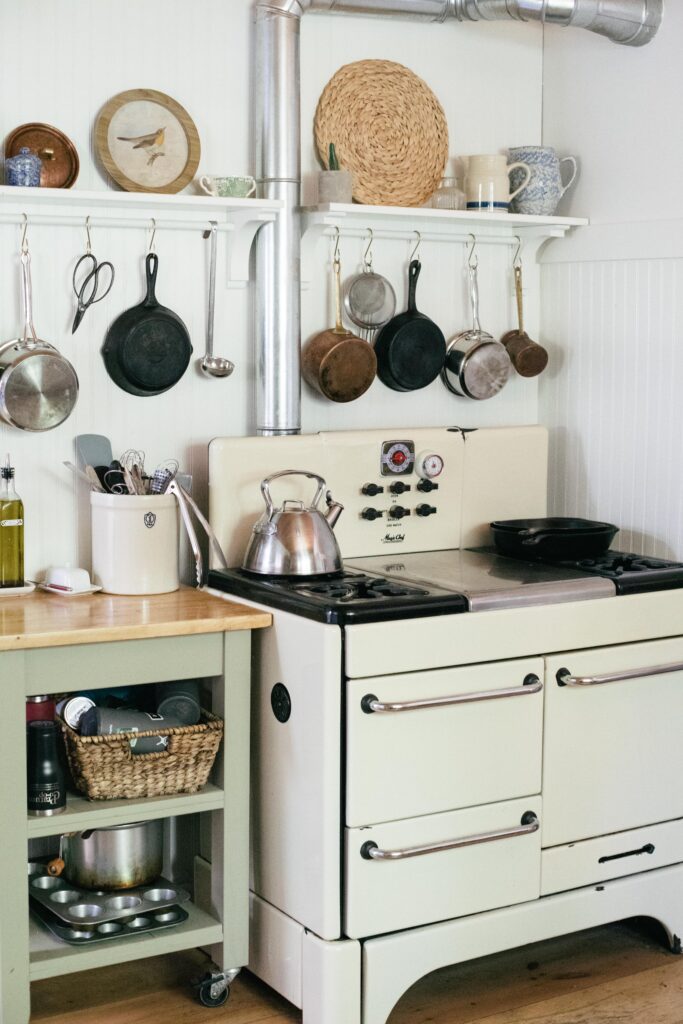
x=11, y=531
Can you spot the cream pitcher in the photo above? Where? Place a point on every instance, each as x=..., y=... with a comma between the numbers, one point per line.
x=487, y=183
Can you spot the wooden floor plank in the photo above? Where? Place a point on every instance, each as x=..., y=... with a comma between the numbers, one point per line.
x=619, y=974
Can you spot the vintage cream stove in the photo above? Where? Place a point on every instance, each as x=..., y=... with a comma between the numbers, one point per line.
x=454, y=753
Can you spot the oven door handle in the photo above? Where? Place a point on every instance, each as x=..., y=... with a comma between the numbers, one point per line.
x=565, y=678
x=529, y=825
x=371, y=704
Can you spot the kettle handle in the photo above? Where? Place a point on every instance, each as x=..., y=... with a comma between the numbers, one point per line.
x=265, y=486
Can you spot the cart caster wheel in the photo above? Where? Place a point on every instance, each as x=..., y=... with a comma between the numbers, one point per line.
x=212, y=992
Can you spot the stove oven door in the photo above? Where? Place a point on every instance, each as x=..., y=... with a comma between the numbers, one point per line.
x=613, y=752
x=427, y=742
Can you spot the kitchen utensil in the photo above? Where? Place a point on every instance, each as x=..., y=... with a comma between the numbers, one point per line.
x=410, y=348
x=186, y=504
x=213, y=366
x=147, y=349
x=23, y=169
x=553, y=539
x=369, y=299
x=528, y=358
x=82, y=907
x=117, y=857
x=46, y=792
x=93, y=450
x=38, y=386
x=487, y=182
x=295, y=539
x=86, y=282
x=135, y=925
x=477, y=366
x=546, y=187
x=82, y=475
x=235, y=186
x=135, y=543
x=389, y=130
x=56, y=151
x=337, y=363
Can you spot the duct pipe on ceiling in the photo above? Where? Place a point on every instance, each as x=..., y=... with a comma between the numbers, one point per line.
x=278, y=153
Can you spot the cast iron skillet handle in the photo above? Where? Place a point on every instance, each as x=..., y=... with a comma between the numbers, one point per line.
x=531, y=538
x=413, y=275
x=151, y=267
x=265, y=486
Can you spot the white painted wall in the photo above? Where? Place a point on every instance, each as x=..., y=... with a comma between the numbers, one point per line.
x=63, y=59
x=612, y=310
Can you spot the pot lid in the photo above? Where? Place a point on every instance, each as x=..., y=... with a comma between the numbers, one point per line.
x=55, y=149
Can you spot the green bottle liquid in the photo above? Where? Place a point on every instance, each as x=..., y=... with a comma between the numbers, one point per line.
x=11, y=531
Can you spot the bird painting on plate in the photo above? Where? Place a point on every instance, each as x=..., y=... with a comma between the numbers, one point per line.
x=152, y=144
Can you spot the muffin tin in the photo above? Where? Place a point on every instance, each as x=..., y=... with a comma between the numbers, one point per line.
x=139, y=924
x=78, y=907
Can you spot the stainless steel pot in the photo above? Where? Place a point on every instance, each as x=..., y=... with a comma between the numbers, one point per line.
x=295, y=539
x=477, y=366
x=38, y=386
x=119, y=857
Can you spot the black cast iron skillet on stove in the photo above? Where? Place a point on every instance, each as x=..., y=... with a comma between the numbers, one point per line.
x=147, y=349
x=410, y=348
x=556, y=539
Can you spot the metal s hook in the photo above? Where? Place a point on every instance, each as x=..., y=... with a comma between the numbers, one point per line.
x=517, y=259
x=336, y=259
x=472, y=260
x=414, y=254
x=367, y=255
x=88, y=245
x=24, y=239
x=151, y=240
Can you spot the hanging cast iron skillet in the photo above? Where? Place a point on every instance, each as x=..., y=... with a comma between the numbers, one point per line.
x=147, y=348
x=555, y=539
x=410, y=349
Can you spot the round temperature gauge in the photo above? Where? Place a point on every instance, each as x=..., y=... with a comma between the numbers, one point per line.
x=398, y=458
x=429, y=465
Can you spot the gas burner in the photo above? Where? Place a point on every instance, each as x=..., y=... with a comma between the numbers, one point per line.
x=352, y=587
x=632, y=573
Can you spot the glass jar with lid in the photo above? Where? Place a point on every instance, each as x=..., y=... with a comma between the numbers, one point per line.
x=448, y=196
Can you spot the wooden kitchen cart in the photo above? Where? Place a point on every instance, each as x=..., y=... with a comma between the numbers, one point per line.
x=57, y=645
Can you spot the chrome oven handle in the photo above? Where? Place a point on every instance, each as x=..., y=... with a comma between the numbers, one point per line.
x=529, y=825
x=565, y=678
x=370, y=704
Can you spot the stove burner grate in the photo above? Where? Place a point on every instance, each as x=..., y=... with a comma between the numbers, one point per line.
x=352, y=587
x=615, y=563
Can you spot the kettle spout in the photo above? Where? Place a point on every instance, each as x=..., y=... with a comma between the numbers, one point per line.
x=334, y=510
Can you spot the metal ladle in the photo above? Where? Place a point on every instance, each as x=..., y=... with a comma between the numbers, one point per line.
x=213, y=366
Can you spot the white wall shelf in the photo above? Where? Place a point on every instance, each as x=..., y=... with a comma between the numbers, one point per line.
x=239, y=219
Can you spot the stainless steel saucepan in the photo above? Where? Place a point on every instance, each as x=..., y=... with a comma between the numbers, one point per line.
x=118, y=857
x=38, y=386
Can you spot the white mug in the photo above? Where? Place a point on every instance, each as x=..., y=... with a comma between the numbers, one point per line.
x=234, y=186
x=487, y=183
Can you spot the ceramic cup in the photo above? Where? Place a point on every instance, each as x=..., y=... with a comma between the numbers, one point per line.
x=546, y=188
x=237, y=187
x=487, y=183
x=67, y=577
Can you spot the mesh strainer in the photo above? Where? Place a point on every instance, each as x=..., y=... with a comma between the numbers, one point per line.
x=369, y=299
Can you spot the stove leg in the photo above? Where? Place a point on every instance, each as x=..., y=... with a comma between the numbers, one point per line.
x=331, y=981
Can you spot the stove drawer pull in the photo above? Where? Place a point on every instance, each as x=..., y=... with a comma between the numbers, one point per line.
x=565, y=678
x=370, y=704
x=529, y=825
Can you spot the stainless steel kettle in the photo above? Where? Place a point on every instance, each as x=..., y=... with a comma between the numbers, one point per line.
x=295, y=539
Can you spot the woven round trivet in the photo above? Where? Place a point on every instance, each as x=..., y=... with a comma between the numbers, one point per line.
x=388, y=129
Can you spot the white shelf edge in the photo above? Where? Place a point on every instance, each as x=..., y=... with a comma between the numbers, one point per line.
x=439, y=217
x=65, y=197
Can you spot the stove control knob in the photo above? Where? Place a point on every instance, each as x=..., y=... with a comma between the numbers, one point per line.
x=371, y=514
x=429, y=465
x=372, y=490
x=425, y=510
x=399, y=487
x=398, y=512
x=426, y=486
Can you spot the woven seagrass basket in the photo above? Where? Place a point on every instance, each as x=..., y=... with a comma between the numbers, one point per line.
x=105, y=767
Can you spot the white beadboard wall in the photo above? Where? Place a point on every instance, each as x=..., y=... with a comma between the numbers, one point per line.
x=63, y=59
x=612, y=303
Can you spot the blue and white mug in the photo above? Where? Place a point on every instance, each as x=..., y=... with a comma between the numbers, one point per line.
x=546, y=187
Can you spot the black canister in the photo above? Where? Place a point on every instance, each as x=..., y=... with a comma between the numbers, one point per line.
x=46, y=791
x=180, y=699
x=109, y=721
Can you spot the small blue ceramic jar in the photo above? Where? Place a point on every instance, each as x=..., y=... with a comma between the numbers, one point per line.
x=23, y=169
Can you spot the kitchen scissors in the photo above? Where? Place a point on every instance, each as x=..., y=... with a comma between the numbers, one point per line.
x=86, y=281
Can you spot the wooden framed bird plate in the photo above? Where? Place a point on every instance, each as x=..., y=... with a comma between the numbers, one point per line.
x=147, y=142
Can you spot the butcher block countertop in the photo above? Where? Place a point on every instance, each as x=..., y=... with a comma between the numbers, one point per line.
x=45, y=620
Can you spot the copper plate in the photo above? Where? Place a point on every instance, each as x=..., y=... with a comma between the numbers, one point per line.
x=58, y=153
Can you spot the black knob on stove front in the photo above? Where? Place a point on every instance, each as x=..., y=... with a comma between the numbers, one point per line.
x=398, y=512
x=371, y=514
x=372, y=490
x=399, y=487
x=425, y=510
x=426, y=486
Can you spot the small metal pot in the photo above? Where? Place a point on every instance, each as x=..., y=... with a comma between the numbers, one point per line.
x=477, y=366
x=119, y=857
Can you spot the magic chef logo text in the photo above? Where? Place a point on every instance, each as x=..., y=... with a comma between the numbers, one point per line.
x=393, y=538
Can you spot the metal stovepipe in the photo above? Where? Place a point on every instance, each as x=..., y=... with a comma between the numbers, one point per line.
x=278, y=153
